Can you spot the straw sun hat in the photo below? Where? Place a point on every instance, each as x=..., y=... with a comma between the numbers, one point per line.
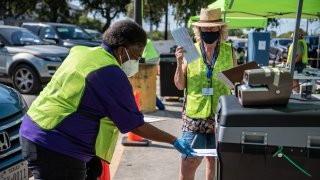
x=210, y=18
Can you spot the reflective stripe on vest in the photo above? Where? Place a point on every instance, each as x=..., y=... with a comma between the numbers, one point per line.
x=62, y=95
x=199, y=106
x=304, y=55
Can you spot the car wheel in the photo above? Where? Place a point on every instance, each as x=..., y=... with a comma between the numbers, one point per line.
x=25, y=80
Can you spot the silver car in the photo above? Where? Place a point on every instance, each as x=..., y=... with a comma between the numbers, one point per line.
x=26, y=61
x=279, y=49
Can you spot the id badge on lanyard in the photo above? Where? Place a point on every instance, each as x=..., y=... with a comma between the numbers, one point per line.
x=208, y=91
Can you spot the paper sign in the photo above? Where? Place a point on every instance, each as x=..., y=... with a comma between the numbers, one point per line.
x=262, y=45
x=182, y=38
x=204, y=152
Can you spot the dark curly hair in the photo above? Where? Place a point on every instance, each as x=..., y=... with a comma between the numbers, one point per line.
x=124, y=33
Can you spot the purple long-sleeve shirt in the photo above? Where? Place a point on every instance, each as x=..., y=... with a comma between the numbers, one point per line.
x=107, y=93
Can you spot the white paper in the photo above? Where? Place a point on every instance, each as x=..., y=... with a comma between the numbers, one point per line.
x=262, y=45
x=205, y=152
x=152, y=119
x=182, y=38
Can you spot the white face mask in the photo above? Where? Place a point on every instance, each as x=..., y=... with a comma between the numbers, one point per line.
x=130, y=67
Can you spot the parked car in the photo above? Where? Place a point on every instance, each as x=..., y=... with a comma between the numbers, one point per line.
x=312, y=43
x=279, y=49
x=243, y=44
x=66, y=35
x=97, y=36
x=26, y=61
x=12, y=109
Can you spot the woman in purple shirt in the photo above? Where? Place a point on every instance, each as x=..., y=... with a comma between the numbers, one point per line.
x=78, y=115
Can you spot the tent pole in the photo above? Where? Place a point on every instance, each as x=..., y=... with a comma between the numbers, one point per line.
x=318, y=51
x=295, y=38
x=231, y=4
x=307, y=27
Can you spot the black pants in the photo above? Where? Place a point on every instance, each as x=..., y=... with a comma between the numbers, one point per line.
x=299, y=66
x=49, y=165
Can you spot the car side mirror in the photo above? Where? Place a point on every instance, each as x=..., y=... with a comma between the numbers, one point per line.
x=51, y=38
x=1, y=44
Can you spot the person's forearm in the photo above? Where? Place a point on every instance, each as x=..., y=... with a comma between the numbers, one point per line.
x=150, y=132
x=298, y=58
x=179, y=78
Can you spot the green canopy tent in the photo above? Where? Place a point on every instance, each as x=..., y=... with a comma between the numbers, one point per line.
x=268, y=8
x=272, y=9
x=239, y=22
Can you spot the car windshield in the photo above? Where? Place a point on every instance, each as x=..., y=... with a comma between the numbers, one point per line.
x=285, y=42
x=72, y=32
x=240, y=44
x=314, y=41
x=20, y=37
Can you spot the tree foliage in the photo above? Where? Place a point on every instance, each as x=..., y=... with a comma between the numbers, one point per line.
x=16, y=8
x=55, y=11
x=88, y=23
x=235, y=32
x=157, y=35
x=286, y=35
x=186, y=8
x=289, y=34
x=273, y=22
x=108, y=9
x=273, y=34
x=153, y=10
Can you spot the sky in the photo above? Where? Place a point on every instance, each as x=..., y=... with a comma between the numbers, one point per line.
x=286, y=24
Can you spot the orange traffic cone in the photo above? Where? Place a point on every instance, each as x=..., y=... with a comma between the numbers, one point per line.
x=105, y=175
x=133, y=139
x=137, y=98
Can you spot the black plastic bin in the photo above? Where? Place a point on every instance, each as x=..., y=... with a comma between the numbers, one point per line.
x=168, y=67
x=255, y=142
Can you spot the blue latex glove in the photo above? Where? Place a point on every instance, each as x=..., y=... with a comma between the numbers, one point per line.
x=183, y=146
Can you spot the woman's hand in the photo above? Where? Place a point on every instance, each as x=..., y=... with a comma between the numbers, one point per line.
x=179, y=55
x=180, y=75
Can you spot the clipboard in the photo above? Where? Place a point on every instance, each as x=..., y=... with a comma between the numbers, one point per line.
x=233, y=75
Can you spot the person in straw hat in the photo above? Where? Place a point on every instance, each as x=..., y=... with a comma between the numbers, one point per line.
x=203, y=88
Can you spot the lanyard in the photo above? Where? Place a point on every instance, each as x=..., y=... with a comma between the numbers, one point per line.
x=209, y=68
x=107, y=48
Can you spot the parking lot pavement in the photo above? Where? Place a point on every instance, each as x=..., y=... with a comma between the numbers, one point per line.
x=158, y=161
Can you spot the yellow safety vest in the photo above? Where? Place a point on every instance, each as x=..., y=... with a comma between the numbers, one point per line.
x=62, y=96
x=304, y=55
x=198, y=105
